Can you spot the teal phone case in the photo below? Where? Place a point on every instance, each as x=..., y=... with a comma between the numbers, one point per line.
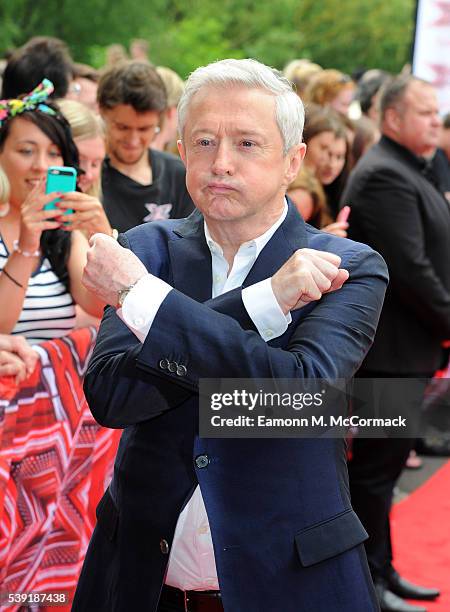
x=62, y=179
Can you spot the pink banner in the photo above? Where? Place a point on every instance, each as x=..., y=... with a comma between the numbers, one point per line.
x=431, y=59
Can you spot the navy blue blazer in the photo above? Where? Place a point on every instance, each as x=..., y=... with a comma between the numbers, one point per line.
x=284, y=533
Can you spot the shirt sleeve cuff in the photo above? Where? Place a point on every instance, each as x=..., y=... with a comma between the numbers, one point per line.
x=265, y=312
x=142, y=303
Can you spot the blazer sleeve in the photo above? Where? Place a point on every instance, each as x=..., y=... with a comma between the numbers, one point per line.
x=128, y=382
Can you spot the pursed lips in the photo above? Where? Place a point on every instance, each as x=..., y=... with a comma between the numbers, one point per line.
x=219, y=187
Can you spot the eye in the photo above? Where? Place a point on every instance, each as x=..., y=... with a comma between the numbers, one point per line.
x=248, y=144
x=26, y=151
x=55, y=154
x=204, y=142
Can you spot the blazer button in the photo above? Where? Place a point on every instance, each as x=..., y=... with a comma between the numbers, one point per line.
x=164, y=546
x=172, y=367
x=163, y=364
x=181, y=370
x=201, y=461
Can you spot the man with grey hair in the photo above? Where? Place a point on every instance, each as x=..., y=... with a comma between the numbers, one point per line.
x=398, y=209
x=240, y=289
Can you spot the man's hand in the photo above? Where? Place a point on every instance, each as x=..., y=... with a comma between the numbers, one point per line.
x=17, y=358
x=305, y=277
x=110, y=268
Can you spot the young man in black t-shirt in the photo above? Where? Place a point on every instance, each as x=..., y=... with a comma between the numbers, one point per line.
x=138, y=183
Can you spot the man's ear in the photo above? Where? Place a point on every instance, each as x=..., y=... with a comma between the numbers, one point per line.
x=392, y=120
x=294, y=159
x=181, y=151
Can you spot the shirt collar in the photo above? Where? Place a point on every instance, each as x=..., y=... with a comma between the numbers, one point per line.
x=258, y=243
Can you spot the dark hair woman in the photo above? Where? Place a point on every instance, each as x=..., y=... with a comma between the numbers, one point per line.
x=41, y=257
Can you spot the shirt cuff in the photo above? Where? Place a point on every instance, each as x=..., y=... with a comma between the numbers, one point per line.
x=140, y=306
x=265, y=312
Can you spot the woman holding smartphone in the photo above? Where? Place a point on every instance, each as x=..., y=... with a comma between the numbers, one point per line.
x=41, y=257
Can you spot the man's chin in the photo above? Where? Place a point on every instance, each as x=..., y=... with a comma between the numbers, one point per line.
x=223, y=212
x=129, y=159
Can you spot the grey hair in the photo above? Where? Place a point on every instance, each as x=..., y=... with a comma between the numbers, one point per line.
x=249, y=73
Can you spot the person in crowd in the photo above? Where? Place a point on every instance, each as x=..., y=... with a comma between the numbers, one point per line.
x=309, y=197
x=368, y=91
x=139, y=184
x=327, y=153
x=89, y=137
x=41, y=255
x=139, y=49
x=299, y=72
x=166, y=139
x=17, y=357
x=83, y=87
x=241, y=140
x=88, y=132
x=444, y=141
x=42, y=57
x=366, y=134
x=331, y=88
x=115, y=54
x=398, y=210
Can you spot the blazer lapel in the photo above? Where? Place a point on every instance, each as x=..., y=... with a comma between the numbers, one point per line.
x=290, y=236
x=191, y=259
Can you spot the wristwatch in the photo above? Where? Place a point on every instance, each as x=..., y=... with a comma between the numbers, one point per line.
x=122, y=294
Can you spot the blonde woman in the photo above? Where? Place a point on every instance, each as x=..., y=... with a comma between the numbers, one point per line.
x=166, y=138
x=89, y=136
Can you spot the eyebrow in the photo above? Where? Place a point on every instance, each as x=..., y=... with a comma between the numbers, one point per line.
x=249, y=133
x=33, y=142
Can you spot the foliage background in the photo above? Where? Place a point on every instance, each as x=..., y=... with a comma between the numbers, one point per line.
x=183, y=34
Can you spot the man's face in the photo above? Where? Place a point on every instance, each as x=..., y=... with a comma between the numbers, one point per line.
x=233, y=151
x=129, y=133
x=444, y=141
x=417, y=121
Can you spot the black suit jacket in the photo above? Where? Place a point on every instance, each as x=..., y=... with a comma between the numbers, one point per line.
x=397, y=210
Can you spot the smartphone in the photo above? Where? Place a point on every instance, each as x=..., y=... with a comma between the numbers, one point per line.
x=62, y=179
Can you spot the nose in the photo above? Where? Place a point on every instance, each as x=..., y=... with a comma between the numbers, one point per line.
x=437, y=120
x=40, y=162
x=133, y=138
x=223, y=162
x=87, y=167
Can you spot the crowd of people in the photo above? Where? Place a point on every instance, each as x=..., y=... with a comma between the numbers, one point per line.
x=376, y=169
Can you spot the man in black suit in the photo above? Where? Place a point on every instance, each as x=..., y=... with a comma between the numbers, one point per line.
x=398, y=211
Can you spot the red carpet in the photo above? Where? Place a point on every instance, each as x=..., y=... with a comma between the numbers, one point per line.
x=421, y=537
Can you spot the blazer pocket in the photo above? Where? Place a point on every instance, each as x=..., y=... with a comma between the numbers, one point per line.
x=107, y=515
x=330, y=538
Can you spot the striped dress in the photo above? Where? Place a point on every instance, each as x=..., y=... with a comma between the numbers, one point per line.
x=48, y=309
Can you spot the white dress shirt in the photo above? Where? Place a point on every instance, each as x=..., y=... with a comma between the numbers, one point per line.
x=191, y=563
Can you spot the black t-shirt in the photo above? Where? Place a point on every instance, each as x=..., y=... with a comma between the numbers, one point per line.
x=128, y=203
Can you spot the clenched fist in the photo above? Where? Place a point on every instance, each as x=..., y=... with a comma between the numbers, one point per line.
x=305, y=277
x=110, y=268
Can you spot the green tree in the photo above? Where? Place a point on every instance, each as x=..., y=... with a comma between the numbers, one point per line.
x=342, y=34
